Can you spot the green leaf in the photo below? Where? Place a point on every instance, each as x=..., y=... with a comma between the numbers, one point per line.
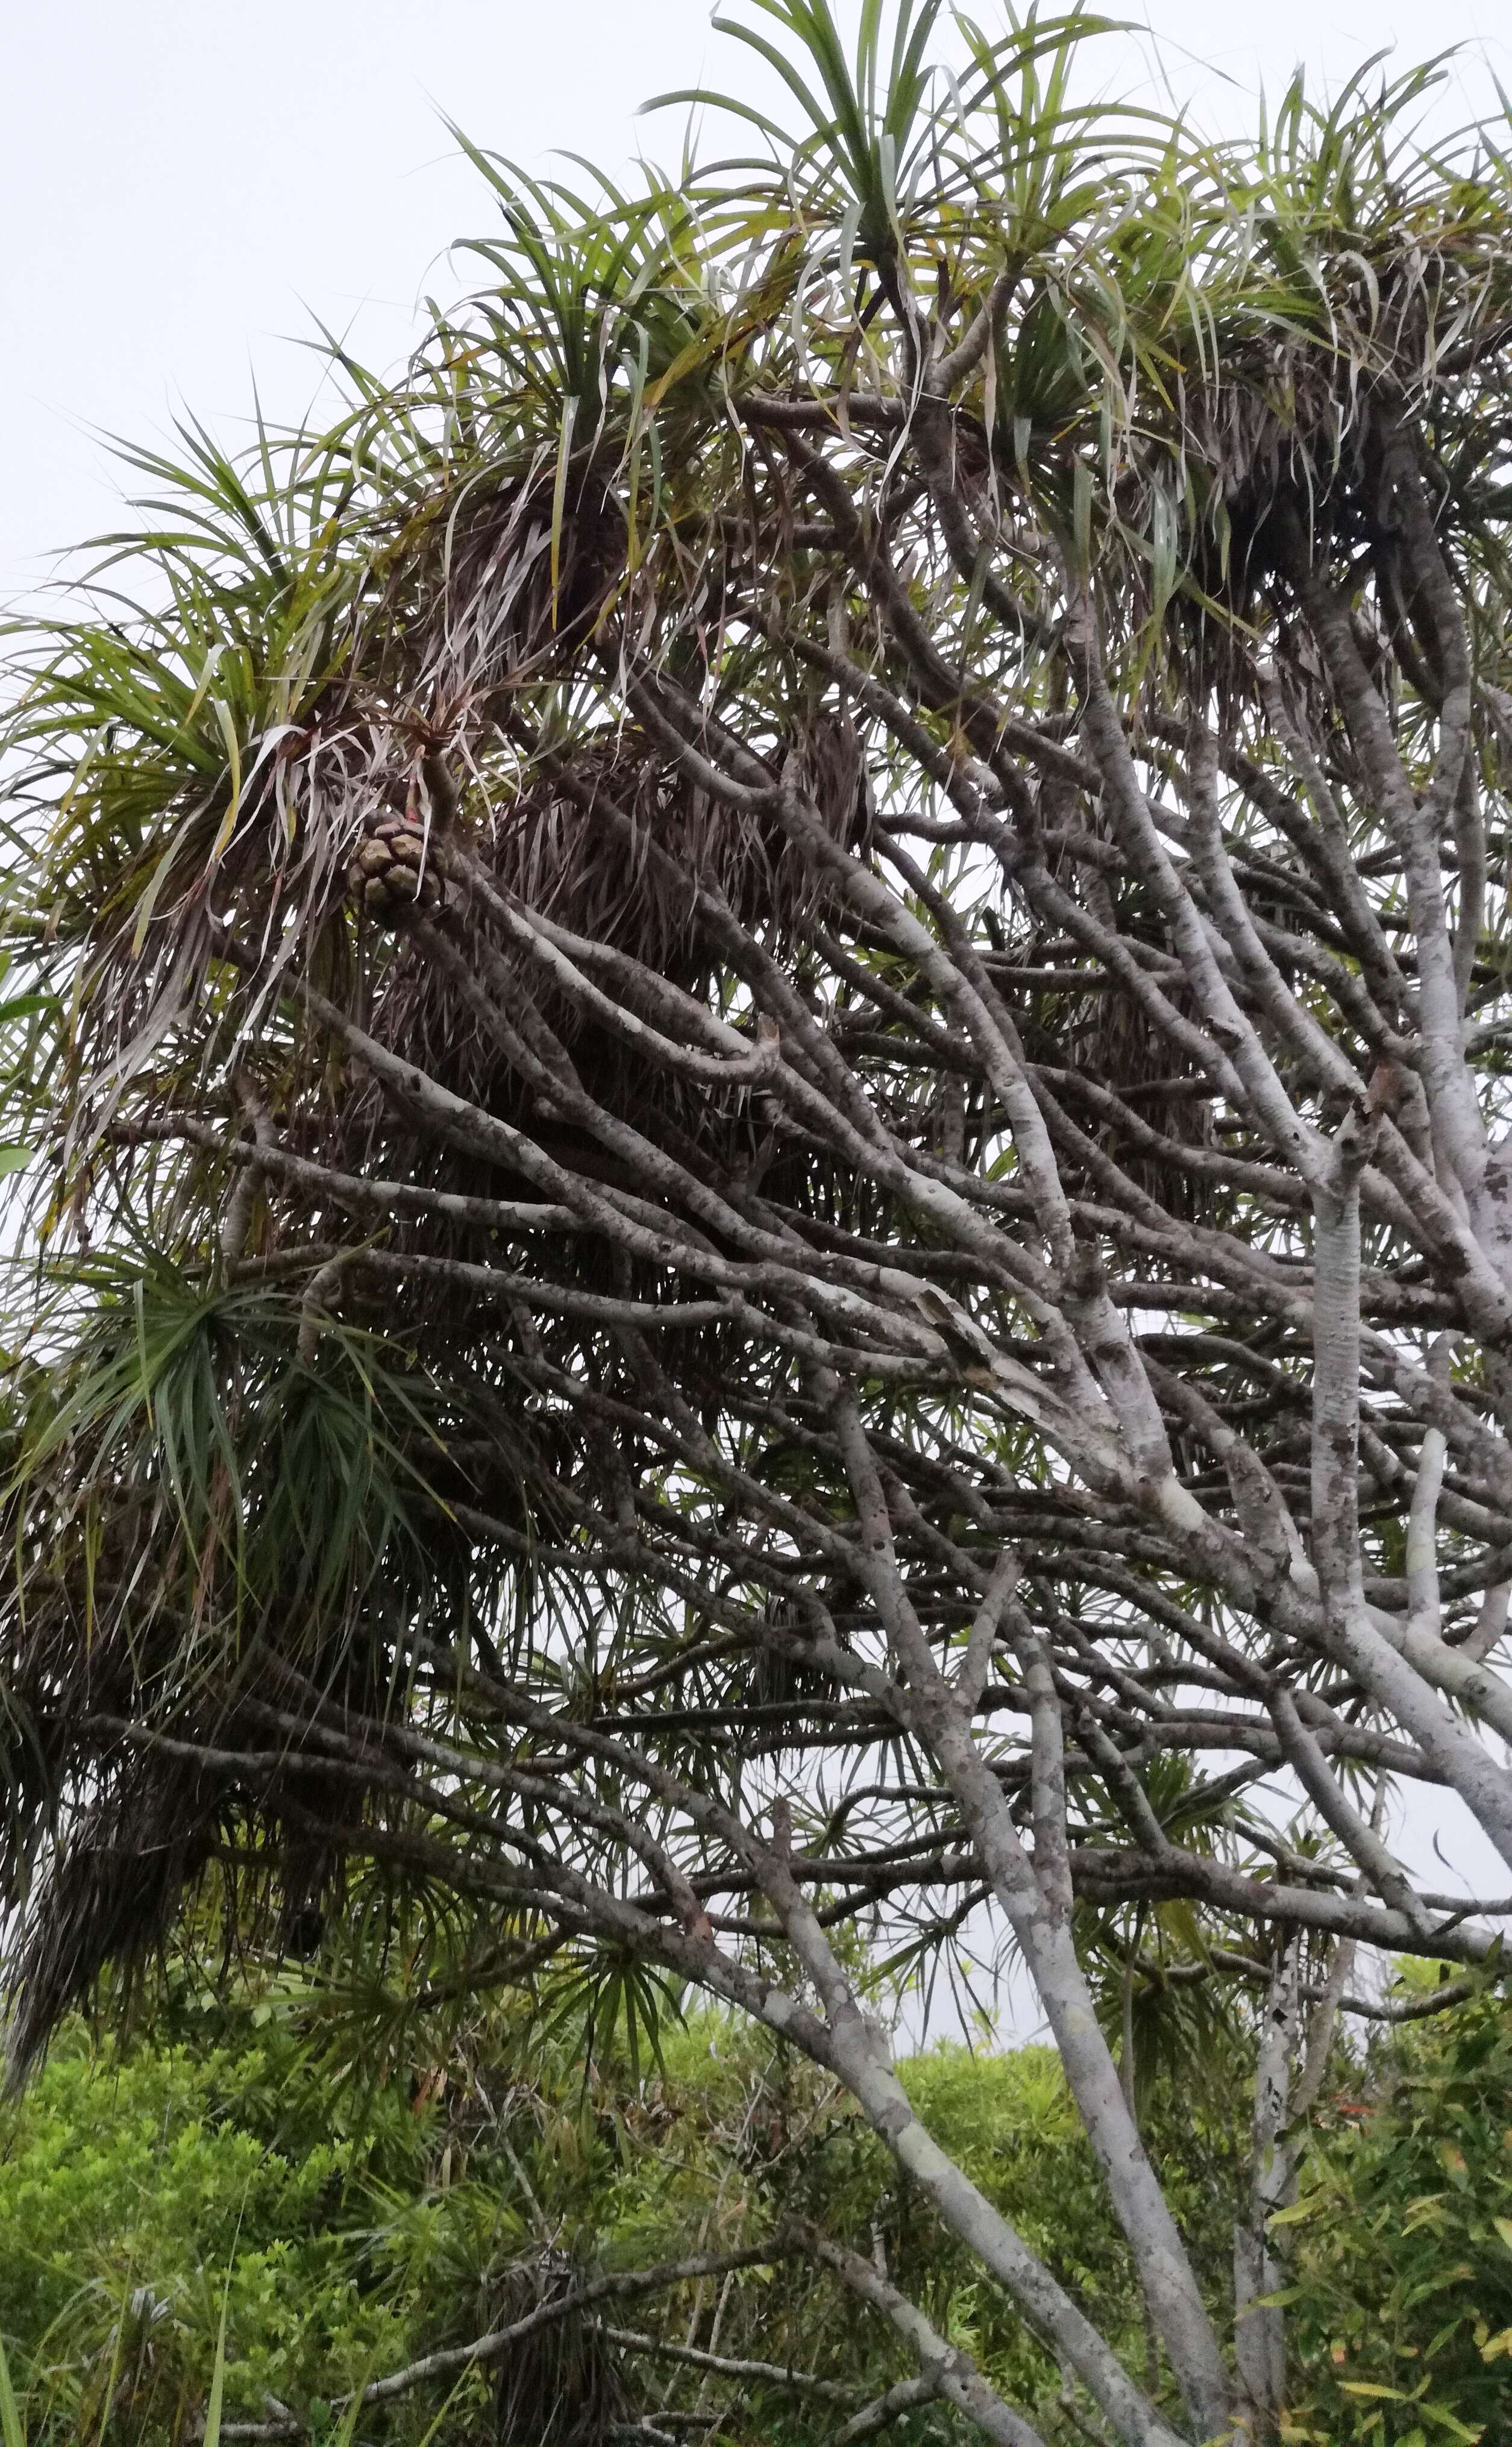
x=344, y=2435
x=15, y=1159
x=218, y=2377
x=1450, y=2421
x=11, y=2432
x=434, y=2432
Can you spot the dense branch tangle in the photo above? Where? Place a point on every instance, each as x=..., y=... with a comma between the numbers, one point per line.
x=800, y=965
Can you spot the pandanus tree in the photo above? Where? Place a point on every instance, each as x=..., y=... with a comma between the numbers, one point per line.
x=762, y=1036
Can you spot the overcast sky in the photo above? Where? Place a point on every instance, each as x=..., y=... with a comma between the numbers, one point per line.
x=184, y=183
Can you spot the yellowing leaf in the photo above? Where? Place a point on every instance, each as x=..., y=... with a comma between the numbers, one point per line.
x=228, y=733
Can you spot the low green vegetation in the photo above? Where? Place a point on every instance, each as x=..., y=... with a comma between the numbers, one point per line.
x=233, y=2165
x=1402, y=2241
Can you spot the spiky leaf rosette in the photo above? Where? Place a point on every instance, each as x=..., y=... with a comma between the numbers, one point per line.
x=886, y=1283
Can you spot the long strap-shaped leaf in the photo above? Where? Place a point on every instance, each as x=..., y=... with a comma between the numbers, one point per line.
x=11, y=2433
x=218, y=2376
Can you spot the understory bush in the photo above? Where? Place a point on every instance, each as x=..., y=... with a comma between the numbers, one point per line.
x=236, y=2166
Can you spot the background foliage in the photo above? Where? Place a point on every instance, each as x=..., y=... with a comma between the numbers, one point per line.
x=349, y=2225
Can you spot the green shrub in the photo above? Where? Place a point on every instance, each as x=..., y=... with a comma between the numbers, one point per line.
x=347, y=2230
x=138, y=2191
x=1402, y=2316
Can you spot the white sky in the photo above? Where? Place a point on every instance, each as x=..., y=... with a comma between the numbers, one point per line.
x=185, y=184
